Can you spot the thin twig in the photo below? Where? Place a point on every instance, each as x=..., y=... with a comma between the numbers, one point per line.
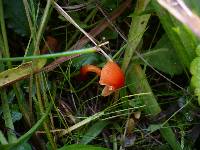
x=65, y=14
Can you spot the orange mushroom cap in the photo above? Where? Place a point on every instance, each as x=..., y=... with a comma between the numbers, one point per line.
x=112, y=77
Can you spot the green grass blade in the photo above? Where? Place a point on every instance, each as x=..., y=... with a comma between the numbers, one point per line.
x=93, y=131
x=24, y=138
x=137, y=29
x=47, y=56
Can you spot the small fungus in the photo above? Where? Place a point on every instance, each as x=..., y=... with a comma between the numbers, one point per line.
x=111, y=76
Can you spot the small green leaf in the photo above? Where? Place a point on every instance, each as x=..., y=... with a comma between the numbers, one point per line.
x=195, y=66
x=154, y=127
x=198, y=50
x=164, y=60
x=195, y=71
x=93, y=131
x=195, y=81
x=81, y=147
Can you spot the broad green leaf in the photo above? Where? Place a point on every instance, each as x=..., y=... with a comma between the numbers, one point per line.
x=195, y=67
x=198, y=50
x=164, y=42
x=16, y=16
x=163, y=57
x=126, y=100
x=93, y=131
x=81, y=147
x=164, y=60
x=195, y=80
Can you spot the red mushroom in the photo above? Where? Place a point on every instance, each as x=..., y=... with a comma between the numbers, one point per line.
x=111, y=76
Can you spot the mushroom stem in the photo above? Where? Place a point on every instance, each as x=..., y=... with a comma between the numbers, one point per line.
x=90, y=68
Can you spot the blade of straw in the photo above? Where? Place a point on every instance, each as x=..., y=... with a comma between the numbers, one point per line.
x=181, y=12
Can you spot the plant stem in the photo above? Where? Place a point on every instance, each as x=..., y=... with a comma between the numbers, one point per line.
x=46, y=56
x=47, y=12
x=41, y=107
x=5, y=105
x=4, y=34
x=27, y=10
x=137, y=29
x=22, y=105
x=7, y=117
